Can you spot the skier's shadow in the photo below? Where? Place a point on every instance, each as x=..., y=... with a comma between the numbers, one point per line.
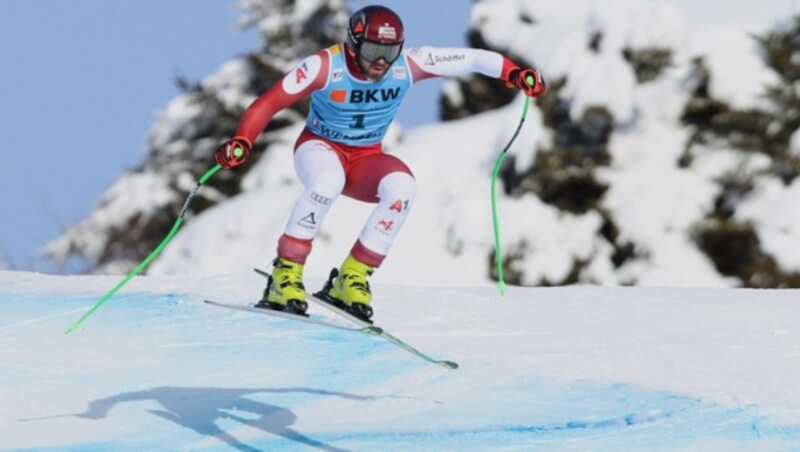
x=199, y=409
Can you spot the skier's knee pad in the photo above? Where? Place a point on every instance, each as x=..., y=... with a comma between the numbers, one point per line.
x=398, y=186
x=327, y=185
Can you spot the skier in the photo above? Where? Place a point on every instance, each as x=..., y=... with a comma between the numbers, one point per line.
x=356, y=88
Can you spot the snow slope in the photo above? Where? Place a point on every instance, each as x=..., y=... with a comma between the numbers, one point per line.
x=572, y=368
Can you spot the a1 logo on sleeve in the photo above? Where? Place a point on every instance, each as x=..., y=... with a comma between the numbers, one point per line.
x=301, y=76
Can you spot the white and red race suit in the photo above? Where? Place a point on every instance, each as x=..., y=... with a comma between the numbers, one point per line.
x=340, y=152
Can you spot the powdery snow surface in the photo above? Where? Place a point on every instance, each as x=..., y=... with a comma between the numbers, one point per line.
x=577, y=368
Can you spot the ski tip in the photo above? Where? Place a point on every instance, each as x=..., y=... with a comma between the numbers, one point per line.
x=449, y=364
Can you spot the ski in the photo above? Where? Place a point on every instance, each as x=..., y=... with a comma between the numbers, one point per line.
x=383, y=334
x=285, y=315
x=316, y=298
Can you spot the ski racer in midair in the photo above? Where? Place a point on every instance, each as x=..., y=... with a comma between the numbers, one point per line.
x=356, y=88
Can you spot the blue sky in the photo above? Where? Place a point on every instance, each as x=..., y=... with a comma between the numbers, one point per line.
x=81, y=81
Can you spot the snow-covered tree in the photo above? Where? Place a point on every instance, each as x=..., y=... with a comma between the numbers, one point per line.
x=762, y=137
x=659, y=156
x=136, y=213
x=609, y=78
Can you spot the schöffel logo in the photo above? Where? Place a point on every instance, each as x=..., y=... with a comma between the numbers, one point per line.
x=366, y=96
x=433, y=60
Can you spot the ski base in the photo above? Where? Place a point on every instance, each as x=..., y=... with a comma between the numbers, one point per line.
x=384, y=334
x=285, y=315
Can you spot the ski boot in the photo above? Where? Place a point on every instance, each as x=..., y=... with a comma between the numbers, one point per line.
x=348, y=289
x=285, y=290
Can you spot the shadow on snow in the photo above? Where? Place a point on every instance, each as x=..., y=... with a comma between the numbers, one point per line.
x=200, y=409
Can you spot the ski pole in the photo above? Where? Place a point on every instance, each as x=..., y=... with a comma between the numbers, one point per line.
x=501, y=284
x=152, y=255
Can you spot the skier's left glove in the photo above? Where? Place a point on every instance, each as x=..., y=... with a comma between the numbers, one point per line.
x=529, y=80
x=232, y=153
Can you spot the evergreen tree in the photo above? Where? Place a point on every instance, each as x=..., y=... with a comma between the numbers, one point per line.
x=734, y=245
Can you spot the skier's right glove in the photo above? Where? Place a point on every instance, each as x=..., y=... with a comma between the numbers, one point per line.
x=233, y=152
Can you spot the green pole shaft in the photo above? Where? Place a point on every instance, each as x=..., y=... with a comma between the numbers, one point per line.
x=501, y=283
x=139, y=268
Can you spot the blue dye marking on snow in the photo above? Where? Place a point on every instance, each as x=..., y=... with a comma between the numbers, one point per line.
x=582, y=415
x=524, y=413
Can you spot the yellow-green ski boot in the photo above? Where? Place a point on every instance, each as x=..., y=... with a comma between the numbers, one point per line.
x=350, y=288
x=285, y=290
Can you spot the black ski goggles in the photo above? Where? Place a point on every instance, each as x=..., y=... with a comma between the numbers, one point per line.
x=372, y=52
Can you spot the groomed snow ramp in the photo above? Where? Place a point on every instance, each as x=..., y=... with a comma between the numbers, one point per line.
x=574, y=368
